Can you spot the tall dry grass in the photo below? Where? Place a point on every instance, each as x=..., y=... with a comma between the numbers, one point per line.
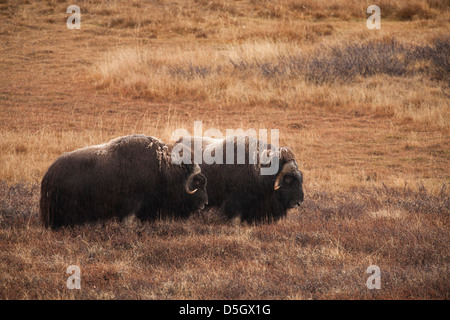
x=160, y=65
x=387, y=78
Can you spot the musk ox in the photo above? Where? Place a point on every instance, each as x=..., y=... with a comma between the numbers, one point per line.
x=240, y=190
x=131, y=174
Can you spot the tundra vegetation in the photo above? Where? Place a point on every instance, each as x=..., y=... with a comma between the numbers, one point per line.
x=364, y=111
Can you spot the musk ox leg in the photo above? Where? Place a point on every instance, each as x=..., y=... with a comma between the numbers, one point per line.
x=71, y=206
x=59, y=210
x=232, y=209
x=71, y=211
x=56, y=208
x=127, y=208
x=260, y=214
x=147, y=212
x=247, y=206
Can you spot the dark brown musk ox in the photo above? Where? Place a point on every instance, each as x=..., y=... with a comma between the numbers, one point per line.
x=238, y=188
x=130, y=174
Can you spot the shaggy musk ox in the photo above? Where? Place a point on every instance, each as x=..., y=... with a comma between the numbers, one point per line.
x=131, y=174
x=240, y=190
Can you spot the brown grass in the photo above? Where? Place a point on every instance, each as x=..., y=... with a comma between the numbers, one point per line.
x=268, y=74
x=373, y=147
x=308, y=255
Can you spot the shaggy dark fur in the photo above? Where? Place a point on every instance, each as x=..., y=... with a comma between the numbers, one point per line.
x=241, y=191
x=131, y=174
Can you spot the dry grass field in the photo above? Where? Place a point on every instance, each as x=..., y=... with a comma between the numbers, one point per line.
x=365, y=111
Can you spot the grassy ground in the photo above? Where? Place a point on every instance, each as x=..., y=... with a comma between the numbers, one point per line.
x=365, y=111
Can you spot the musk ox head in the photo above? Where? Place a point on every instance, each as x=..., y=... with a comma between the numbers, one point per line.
x=288, y=185
x=195, y=188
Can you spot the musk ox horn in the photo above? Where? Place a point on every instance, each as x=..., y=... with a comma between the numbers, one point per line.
x=196, y=171
x=288, y=167
x=191, y=192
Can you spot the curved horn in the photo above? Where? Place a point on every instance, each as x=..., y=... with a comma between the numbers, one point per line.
x=191, y=192
x=288, y=167
x=197, y=170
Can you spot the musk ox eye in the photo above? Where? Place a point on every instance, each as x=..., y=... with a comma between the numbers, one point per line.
x=288, y=179
x=197, y=182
